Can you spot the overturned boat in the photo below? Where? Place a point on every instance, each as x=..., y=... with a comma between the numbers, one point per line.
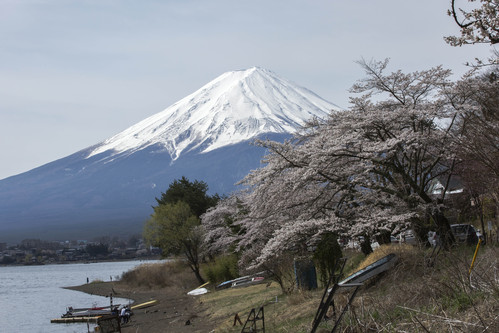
x=370, y=271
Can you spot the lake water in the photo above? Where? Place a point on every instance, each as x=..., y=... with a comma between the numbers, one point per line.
x=30, y=296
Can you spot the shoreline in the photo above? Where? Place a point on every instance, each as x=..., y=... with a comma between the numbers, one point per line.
x=176, y=311
x=70, y=262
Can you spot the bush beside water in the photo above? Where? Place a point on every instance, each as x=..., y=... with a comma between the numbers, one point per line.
x=160, y=275
x=223, y=268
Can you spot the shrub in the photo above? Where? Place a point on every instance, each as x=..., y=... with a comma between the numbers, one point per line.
x=159, y=275
x=326, y=255
x=281, y=270
x=223, y=268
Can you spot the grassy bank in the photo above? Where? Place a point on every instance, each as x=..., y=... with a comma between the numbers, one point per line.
x=422, y=293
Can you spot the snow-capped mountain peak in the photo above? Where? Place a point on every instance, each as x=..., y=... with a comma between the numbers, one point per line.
x=234, y=107
x=113, y=185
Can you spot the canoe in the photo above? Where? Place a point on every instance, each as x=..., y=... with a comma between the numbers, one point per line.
x=67, y=320
x=71, y=309
x=234, y=282
x=244, y=280
x=254, y=280
x=144, y=305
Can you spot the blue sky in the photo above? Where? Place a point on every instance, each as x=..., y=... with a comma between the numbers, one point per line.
x=73, y=73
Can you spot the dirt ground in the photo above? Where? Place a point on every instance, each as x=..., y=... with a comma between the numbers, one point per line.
x=176, y=311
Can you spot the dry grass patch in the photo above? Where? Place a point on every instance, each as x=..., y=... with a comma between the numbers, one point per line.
x=410, y=297
x=228, y=302
x=174, y=274
x=283, y=313
x=405, y=252
x=414, y=297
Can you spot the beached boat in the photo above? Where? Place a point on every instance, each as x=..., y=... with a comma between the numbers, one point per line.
x=244, y=280
x=91, y=312
x=231, y=283
x=69, y=320
x=370, y=271
x=87, y=313
x=107, y=307
x=197, y=291
x=253, y=280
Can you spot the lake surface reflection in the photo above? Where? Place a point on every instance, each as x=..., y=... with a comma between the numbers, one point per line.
x=30, y=296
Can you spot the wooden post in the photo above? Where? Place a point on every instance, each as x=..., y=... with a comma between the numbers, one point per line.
x=237, y=319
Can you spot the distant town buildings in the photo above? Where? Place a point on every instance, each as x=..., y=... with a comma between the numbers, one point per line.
x=38, y=252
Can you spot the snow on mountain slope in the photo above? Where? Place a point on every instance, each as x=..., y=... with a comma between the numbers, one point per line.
x=234, y=107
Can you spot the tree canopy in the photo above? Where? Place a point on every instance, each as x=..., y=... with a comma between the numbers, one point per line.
x=366, y=171
x=175, y=226
x=372, y=170
x=193, y=193
x=175, y=229
x=479, y=24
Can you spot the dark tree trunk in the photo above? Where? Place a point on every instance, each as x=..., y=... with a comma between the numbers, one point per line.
x=384, y=238
x=193, y=259
x=443, y=230
x=421, y=229
x=365, y=246
x=198, y=275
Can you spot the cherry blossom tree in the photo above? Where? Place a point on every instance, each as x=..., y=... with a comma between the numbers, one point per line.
x=478, y=137
x=478, y=97
x=361, y=172
x=478, y=185
x=368, y=171
x=221, y=224
x=478, y=25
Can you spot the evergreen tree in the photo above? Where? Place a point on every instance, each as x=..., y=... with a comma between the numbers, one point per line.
x=192, y=193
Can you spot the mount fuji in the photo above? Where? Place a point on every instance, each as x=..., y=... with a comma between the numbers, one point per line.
x=109, y=188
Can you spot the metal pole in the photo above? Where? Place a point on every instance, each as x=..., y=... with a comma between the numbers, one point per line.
x=474, y=256
x=345, y=309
